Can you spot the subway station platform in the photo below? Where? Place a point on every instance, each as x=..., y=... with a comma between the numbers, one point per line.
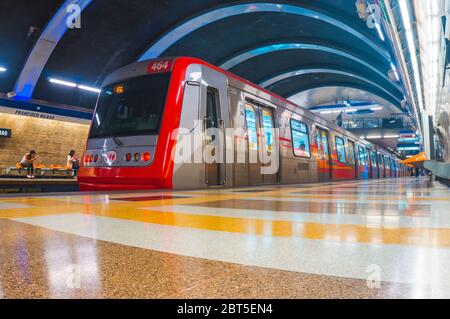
x=358, y=239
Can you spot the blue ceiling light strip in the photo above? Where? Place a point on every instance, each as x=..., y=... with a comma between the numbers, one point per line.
x=196, y=23
x=287, y=75
x=295, y=46
x=42, y=108
x=47, y=42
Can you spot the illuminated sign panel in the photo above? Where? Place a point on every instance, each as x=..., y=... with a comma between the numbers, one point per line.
x=160, y=66
x=5, y=133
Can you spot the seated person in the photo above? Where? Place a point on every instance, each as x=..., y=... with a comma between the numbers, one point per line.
x=28, y=163
x=73, y=163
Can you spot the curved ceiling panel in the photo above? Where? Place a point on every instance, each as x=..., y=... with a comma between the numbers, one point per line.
x=293, y=84
x=333, y=94
x=263, y=67
x=170, y=38
x=241, y=58
x=285, y=76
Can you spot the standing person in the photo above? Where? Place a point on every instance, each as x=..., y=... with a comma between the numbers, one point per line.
x=73, y=163
x=28, y=163
x=417, y=172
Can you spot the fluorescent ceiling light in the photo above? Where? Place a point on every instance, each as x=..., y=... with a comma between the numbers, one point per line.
x=2, y=69
x=380, y=32
x=374, y=137
x=65, y=83
x=394, y=69
x=362, y=136
x=376, y=108
x=391, y=136
x=88, y=88
x=406, y=17
x=351, y=110
x=331, y=112
x=73, y=85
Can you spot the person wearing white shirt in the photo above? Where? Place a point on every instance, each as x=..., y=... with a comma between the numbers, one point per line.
x=28, y=163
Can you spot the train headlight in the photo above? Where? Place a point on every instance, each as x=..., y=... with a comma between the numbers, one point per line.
x=137, y=157
x=146, y=156
x=128, y=157
x=95, y=158
x=88, y=159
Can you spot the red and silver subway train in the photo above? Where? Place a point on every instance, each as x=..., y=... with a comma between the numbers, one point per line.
x=145, y=109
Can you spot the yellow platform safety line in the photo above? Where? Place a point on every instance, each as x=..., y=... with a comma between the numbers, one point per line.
x=369, y=197
x=49, y=206
x=40, y=206
x=348, y=233
x=132, y=211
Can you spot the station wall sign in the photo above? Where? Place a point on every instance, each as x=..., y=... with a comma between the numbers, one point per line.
x=5, y=133
x=43, y=111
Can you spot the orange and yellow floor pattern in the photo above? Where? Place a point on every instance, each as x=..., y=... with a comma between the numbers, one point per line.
x=367, y=239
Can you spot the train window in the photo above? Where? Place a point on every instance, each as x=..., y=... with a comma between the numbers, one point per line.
x=212, y=118
x=135, y=109
x=368, y=161
x=300, y=139
x=362, y=156
x=267, y=119
x=340, y=150
x=374, y=159
x=250, y=117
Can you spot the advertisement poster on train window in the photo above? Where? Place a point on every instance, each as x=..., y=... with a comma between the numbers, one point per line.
x=250, y=117
x=268, y=129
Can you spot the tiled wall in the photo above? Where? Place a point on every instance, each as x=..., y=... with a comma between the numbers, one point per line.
x=51, y=139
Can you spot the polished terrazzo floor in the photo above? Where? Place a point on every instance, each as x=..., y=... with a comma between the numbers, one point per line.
x=358, y=239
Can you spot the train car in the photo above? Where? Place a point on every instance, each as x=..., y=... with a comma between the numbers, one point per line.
x=181, y=123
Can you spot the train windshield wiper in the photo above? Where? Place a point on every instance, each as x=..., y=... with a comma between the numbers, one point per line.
x=115, y=139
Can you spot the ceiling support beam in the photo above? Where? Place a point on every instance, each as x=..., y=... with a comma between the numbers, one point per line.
x=300, y=46
x=44, y=47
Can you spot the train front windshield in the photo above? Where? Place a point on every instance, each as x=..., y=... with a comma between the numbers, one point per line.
x=132, y=107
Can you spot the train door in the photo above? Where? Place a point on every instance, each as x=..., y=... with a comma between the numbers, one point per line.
x=324, y=155
x=269, y=147
x=363, y=169
x=214, y=143
x=254, y=163
x=380, y=166
x=351, y=146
